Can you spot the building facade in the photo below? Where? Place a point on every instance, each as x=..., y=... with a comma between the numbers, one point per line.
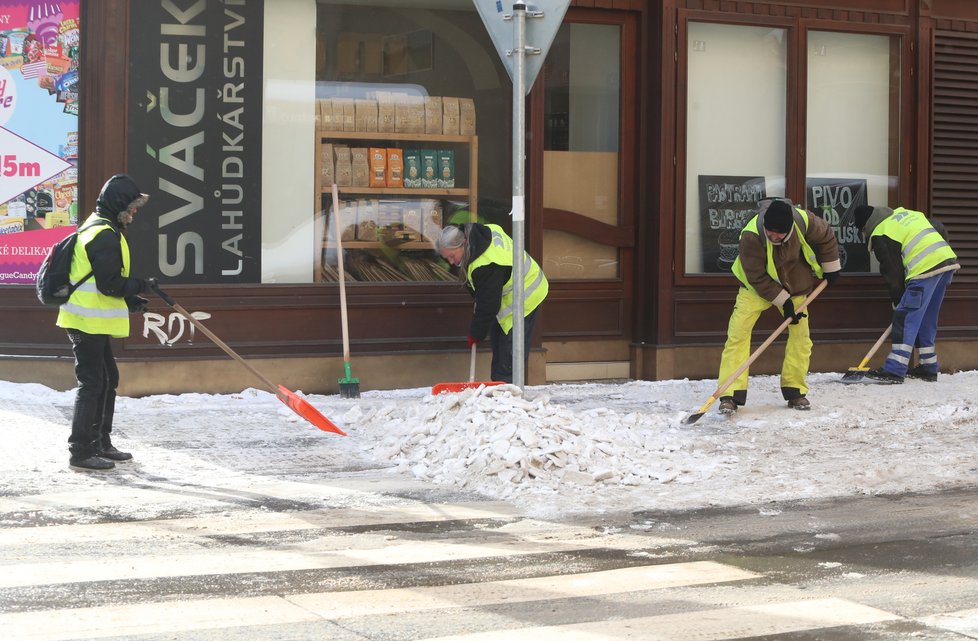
x=652, y=128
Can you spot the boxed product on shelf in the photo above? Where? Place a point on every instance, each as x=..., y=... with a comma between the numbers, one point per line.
x=432, y=114
x=390, y=213
x=326, y=163
x=343, y=169
x=378, y=167
x=324, y=113
x=449, y=123
x=366, y=115
x=385, y=114
x=446, y=168
x=360, y=166
x=412, y=220
x=429, y=168
x=431, y=219
x=412, y=168
x=466, y=116
x=345, y=108
x=395, y=167
x=367, y=219
x=409, y=115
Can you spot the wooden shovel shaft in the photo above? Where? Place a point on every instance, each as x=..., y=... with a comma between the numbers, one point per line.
x=230, y=352
x=760, y=349
x=342, y=274
x=876, y=346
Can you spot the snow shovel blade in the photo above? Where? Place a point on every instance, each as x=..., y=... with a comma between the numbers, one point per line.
x=302, y=407
x=450, y=388
x=854, y=375
x=692, y=418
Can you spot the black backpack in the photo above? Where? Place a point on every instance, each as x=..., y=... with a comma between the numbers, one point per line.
x=53, y=285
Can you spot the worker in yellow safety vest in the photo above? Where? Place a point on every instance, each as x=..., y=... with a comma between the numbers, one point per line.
x=917, y=264
x=783, y=252
x=483, y=255
x=97, y=311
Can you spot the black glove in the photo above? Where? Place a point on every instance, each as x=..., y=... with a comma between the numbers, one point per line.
x=789, y=310
x=831, y=277
x=137, y=304
x=151, y=285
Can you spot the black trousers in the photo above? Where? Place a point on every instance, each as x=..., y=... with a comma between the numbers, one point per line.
x=98, y=378
x=502, y=348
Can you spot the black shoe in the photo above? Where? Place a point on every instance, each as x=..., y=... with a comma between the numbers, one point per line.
x=881, y=376
x=114, y=454
x=923, y=374
x=727, y=405
x=90, y=464
x=800, y=403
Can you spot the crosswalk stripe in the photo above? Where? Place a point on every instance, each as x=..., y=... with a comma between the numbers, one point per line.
x=149, y=618
x=316, y=554
x=713, y=625
x=961, y=622
x=350, y=604
x=252, y=522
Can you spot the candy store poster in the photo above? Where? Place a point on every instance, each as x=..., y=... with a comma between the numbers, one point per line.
x=39, y=45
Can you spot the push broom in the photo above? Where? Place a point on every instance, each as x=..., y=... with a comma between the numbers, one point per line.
x=856, y=374
x=349, y=386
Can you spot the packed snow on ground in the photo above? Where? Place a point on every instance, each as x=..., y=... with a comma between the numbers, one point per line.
x=552, y=450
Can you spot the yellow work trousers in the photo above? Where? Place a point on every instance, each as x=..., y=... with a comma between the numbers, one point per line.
x=797, y=353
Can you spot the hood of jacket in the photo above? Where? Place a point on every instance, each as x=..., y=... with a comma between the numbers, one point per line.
x=879, y=214
x=118, y=193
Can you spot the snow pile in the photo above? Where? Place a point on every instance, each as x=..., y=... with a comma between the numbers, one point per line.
x=499, y=442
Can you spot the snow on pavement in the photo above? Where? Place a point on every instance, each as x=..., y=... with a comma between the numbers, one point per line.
x=552, y=450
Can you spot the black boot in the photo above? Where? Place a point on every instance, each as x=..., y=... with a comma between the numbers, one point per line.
x=109, y=451
x=90, y=464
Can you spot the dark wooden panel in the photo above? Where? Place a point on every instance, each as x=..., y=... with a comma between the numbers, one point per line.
x=579, y=317
x=954, y=9
x=102, y=94
x=585, y=227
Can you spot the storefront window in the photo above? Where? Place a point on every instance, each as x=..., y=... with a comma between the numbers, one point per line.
x=853, y=131
x=412, y=111
x=735, y=135
x=580, y=161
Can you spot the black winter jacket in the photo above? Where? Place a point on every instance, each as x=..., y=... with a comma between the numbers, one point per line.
x=488, y=281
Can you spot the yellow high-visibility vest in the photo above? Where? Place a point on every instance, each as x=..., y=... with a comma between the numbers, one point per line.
x=88, y=309
x=535, y=285
x=922, y=248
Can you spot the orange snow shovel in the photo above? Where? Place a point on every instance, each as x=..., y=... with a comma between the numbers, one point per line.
x=458, y=387
x=856, y=374
x=297, y=404
x=692, y=418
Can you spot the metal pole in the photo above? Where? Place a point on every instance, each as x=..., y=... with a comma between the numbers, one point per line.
x=519, y=170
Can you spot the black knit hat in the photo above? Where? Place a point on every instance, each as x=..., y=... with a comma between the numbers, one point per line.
x=779, y=217
x=860, y=216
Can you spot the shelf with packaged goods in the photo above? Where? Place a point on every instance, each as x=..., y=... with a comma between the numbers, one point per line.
x=466, y=153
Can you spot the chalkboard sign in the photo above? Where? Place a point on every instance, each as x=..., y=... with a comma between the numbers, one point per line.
x=726, y=204
x=835, y=200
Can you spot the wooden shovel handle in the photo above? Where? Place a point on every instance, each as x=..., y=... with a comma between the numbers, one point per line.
x=770, y=339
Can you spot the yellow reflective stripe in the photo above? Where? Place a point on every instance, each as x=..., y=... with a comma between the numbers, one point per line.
x=527, y=293
x=95, y=312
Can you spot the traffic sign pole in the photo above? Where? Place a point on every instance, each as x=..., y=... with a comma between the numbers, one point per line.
x=519, y=174
x=510, y=43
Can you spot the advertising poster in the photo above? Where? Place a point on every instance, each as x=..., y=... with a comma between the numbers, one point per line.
x=835, y=199
x=39, y=45
x=726, y=204
x=194, y=139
